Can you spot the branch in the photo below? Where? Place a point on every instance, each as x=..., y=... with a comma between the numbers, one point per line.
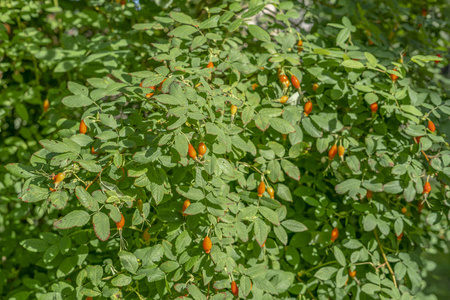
x=385, y=259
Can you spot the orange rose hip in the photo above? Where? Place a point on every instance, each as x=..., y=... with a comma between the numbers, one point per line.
x=46, y=105
x=332, y=152
x=207, y=245
x=295, y=82
x=271, y=192
x=307, y=109
x=352, y=273
x=234, y=288
x=121, y=223
x=83, y=127
x=334, y=234
x=315, y=87
x=191, y=152
x=261, y=188
x=201, y=149
x=284, y=99
x=427, y=188
x=341, y=151
x=431, y=126
x=374, y=107
x=185, y=205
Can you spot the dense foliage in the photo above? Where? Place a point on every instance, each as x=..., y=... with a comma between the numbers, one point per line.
x=219, y=150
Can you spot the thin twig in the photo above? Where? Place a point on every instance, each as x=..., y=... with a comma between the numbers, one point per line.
x=385, y=259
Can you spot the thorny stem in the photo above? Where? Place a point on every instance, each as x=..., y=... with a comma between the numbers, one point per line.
x=385, y=259
x=96, y=177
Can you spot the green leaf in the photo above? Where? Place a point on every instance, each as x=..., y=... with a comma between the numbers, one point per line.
x=129, y=261
x=281, y=125
x=398, y=226
x=342, y=36
x=153, y=275
x=90, y=166
x=325, y=273
x=66, y=267
x=412, y=110
x=369, y=222
x=181, y=145
x=194, y=209
x=198, y=41
x=72, y=219
x=259, y=33
x=182, y=31
x=59, y=199
x=101, y=226
x=86, y=199
x=77, y=89
x=121, y=280
x=51, y=253
x=340, y=257
x=76, y=101
x=107, y=135
x=95, y=274
x=352, y=64
x=373, y=61
x=270, y=215
x=20, y=170
x=294, y=226
x=33, y=193
x=235, y=24
x=34, y=245
x=22, y=111
x=281, y=234
x=393, y=187
x=182, y=18
x=310, y=128
x=261, y=231
x=190, y=193
x=209, y=23
x=65, y=66
x=290, y=169
x=370, y=288
x=55, y=146
x=108, y=120
x=195, y=293
x=183, y=240
x=347, y=185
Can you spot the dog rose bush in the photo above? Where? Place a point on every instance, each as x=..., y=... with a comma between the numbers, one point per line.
x=266, y=150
